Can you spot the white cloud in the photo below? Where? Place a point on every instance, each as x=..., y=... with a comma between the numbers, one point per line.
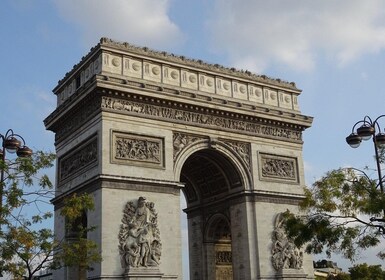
x=142, y=22
x=296, y=33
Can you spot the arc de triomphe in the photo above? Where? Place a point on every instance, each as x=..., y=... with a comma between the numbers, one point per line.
x=135, y=126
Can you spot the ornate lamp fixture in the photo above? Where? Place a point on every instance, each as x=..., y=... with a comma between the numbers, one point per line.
x=11, y=143
x=14, y=143
x=370, y=129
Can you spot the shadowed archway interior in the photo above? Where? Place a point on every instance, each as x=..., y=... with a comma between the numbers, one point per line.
x=208, y=174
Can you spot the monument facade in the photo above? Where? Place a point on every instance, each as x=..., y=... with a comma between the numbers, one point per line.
x=135, y=127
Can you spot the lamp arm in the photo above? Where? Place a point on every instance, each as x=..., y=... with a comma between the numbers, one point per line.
x=354, y=126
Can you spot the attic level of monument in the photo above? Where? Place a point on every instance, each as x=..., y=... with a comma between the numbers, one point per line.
x=121, y=60
x=119, y=71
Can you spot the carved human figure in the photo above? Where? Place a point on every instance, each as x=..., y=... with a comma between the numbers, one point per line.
x=141, y=213
x=156, y=249
x=144, y=243
x=284, y=253
x=139, y=236
x=152, y=213
x=132, y=255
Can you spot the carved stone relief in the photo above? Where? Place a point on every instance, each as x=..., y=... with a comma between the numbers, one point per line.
x=285, y=254
x=223, y=257
x=278, y=167
x=182, y=140
x=242, y=149
x=79, y=158
x=83, y=112
x=199, y=119
x=135, y=149
x=139, y=237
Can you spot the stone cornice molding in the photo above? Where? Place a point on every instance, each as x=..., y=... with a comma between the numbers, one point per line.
x=247, y=196
x=123, y=64
x=122, y=182
x=196, y=96
x=196, y=63
x=106, y=43
x=199, y=116
x=247, y=119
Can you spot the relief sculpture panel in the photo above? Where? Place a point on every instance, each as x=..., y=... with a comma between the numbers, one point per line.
x=137, y=149
x=80, y=158
x=273, y=167
x=139, y=236
x=182, y=140
x=206, y=120
x=285, y=254
x=242, y=149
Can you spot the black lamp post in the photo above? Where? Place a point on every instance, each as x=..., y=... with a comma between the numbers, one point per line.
x=370, y=129
x=11, y=143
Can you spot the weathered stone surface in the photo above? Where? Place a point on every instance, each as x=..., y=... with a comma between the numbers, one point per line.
x=132, y=123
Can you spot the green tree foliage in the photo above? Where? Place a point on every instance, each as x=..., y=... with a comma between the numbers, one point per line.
x=366, y=272
x=26, y=245
x=76, y=250
x=335, y=214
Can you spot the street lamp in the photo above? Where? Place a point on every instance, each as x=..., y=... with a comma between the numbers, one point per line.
x=370, y=129
x=11, y=143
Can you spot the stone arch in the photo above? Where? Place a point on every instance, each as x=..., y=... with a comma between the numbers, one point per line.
x=223, y=150
x=218, y=247
x=217, y=228
x=122, y=132
x=212, y=173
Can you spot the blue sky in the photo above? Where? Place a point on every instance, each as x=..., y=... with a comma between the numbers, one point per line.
x=334, y=50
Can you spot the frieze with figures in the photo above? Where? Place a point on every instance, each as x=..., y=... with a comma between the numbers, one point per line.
x=78, y=159
x=83, y=112
x=199, y=119
x=278, y=167
x=136, y=149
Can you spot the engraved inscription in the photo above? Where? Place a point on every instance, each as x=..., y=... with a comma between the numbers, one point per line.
x=194, y=118
x=278, y=167
x=78, y=159
x=130, y=148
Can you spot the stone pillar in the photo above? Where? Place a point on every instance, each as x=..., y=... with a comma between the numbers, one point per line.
x=291, y=274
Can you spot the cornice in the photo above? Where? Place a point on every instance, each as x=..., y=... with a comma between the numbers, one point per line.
x=196, y=63
x=106, y=43
x=192, y=98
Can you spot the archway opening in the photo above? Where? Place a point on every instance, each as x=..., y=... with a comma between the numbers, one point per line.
x=209, y=177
